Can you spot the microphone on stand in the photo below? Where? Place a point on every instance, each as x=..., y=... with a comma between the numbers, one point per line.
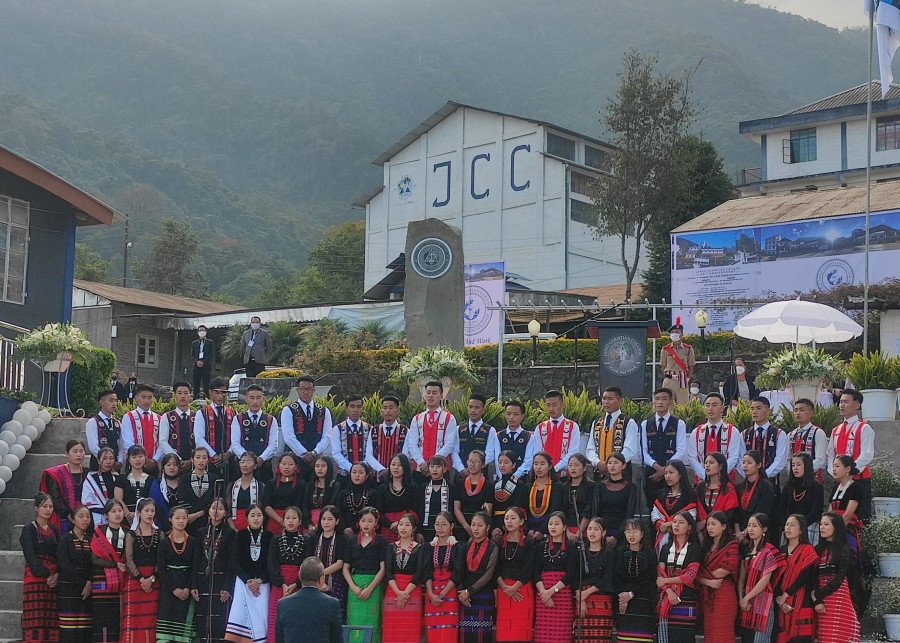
x=581, y=567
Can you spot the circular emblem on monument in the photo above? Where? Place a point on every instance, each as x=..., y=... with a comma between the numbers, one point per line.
x=834, y=273
x=476, y=314
x=431, y=258
x=622, y=355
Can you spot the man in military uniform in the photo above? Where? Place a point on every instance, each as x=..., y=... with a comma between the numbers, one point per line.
x=676, y=359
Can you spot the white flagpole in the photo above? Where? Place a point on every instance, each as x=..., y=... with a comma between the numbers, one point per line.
x=868, y=180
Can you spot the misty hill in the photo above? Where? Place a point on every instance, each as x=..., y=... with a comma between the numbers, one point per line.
x=258, y=121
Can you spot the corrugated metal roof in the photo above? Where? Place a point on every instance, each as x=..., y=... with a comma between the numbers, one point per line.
x=853, y=96
x=603, y=294
x=170, y=303
x=797, y=206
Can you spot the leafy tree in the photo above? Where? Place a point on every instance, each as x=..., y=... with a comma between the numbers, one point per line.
x=646, y=120
x=168, y=267
x=90, y=265
x=710, y=186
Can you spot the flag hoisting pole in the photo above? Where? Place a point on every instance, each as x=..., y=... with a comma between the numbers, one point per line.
x=868, y=179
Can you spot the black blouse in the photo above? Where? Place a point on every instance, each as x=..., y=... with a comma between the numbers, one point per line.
x=321, y=548
x=435, y=508
x=580, y=498
x=36, y=543
x=483, y=575
x=557, y=557
x=693, y=555
x=351, y=502
x=142, y=551
x=187, y=493
x=242, y=563
x=281, y=495
x=131, y=493
x=316, y=498
x=176, y=570
x=635, y=571
x=516, y=562
x=556, y=502
x=397, y=561
x=368, y=559
x=74, y=558
x=469, y=504
x=615, y=503
x=806, y=502
x=507, y=493
x=598, y=571
x=222, y=542
x=286, y=549
x=433, y=559
x=389, y=502
x=836, y=568
x=759, y=498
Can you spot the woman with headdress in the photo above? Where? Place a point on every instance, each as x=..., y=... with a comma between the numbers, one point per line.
x=578, y=494
x=175, y=561
x=141, y=589
x=439, y=572
x=509, y=492
x=98, y=485
x=402, y=607
x=473, y=494
x=796, y=617
x=164, y=491
x=555, y=573
x=364, y=573
x=716, y=492
x=108, y=559
x=395, y=497
x=248, y=616
x=285, y=490
x=755, y=493
x=76, y=572
x=634, y=585
x=287, y=551
x=322, y=491
x=244, y=491
x=328, y=544
x=64, y=482
x=40, y=541
x=615, y=499
x=594, y=601
x=803, y=495
x=214, y=547
x=134, y=483
x=679, y=567
x=847, y=498
x=515, y=570
x=718, y=578
x=475, y=587
x=545, y=495
x=196, y=489
x=836, y=620
x=678, y=496
x=761, y=565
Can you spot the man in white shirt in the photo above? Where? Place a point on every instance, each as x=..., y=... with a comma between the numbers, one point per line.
x=715, y=435
x=615, y=432
x=514, y=438
x=557, y=436
x=663, y=439
x=104, y=430
x=306, y=426
x=475, y=434
x=212, y=428
x=348, y=439
x=176, y=427
x=256, y=431
x=387, y=439
x=766, y=439
x=856, y=438
x=808, y=437
x=431, y=432
x=141, y=426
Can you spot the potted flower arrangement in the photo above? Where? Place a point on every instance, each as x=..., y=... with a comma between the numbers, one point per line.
x=885, y=603
x=57, y=341
x=802, y=368
x=882, y=536
x=440, y=363
x=885, y=489
x=877, y=377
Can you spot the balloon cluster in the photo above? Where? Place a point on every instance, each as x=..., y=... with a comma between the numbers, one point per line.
x=17, y=436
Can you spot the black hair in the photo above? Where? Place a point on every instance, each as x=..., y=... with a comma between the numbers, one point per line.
x=354, y=397
x=804, y=531
x=838, y=545
x=848, y=462
x=202, y=326
x=553, y=474
x=413, y=519
x=716, y=395
x=693, y=537
x=684, y=483
x=330, y=472
x=727, y=535
x=664, y=390
x=484, y=517
x=134, y=449
x=40, y=498
x=178, y=385
x=305, y=378
x=104, y=393
x=516, y=403
x=509, y=455
x=808, y=480
x=144, y=387
x=163, y=461
x=434, y=383
x=808, y=402
x=334, y=511
x=112, y=502
x=218, y=383
x=762, y=400
x=479, y=454
x=391, y=398
x=251, y=507
x=615, y=390
x=479, y=397
x=253, y=388
x=553, y=393
x=856, y=395
x=71, y=444
x=407, y=470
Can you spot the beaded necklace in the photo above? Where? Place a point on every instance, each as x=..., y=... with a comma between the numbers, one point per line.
x=446, y=563
x=290, y=551
x=548, y=549
x=218, y=532
x=475, y=490
x=536, y=510
x=197, y=482
x=175, y=545
x=403, y=554
x=255, y=545
x=476, y=553
x=394, y=491
x=329, y=554
x=318, y=495
x=154, y=540
x=503, y=490
x=354, y=506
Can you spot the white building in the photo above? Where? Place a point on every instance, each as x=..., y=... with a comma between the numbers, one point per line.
x=514, y=186
x=823, y=144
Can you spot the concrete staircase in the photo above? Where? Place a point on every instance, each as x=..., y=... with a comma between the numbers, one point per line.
x=17, y=509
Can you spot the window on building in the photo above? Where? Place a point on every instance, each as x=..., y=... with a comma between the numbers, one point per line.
x=594, y=157
x=147, y=350
x=14, y=218
x=803, y=145
x=582, y=212
x=561, y=147
x=580, y=184
x=887, y=133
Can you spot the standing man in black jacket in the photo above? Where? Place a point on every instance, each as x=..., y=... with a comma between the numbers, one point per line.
x=203, y=352
x=309, y=615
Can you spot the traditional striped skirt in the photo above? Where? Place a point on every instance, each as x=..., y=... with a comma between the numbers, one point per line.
x=248, y=616
x=106, y=608
x=553, y=624
x=74, y=614
x=638, y=623
x=839, y=623
x=720, y=611
x=515, y=619
x=276, y=593
x=337, y=588
x=367, y=612
x=386, y=532
x=176, y=620
x=219, y=608
x=476, y=623
x=140, y=609
x=680, y=625
x=597, y=623
x=40, y=605
x=402, y=625
x=442, y=622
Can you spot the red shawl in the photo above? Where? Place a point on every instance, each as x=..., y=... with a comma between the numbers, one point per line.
x=800, y=621
x=767, y=560
x=688, y=574
x=61, y=475
x=725, y=557
x=104, y=549
x=726, y=501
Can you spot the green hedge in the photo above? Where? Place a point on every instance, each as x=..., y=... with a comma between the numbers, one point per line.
x=87, y=381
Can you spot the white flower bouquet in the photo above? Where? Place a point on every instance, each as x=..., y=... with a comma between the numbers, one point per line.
x=54, y=341
x=798, y=364
x=435, y=362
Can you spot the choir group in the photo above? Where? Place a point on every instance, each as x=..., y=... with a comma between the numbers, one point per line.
x=194, y=524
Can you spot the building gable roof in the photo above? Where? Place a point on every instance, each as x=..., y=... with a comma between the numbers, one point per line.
x=89, y=210
x=169, y=303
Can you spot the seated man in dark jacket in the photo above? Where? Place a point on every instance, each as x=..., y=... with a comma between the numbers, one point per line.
x=309, y=615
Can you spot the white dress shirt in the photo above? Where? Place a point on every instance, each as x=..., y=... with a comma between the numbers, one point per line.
x=733, y=457
x=337, y=454
x=165, y=430
x=525, y=467
x=93, y=441
x=271, y=445
x=782, y=450
x=680, y=440
x=128, y=431
x=490, y=445
x=371, y=459
x=415, y=437
x=866, y=436
x=630, y=445
x=289, y=438
x=820, y=444
x=535, y=445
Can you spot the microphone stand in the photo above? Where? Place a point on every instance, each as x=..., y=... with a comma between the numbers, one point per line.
x=581, y=567
x=211, y=554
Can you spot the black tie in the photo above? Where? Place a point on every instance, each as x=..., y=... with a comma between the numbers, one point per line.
x=183, y=417
x=662, y=424
x=388, y=431
x=353, y=427
x=473, y=428
x=608, y=420
x=309, y=412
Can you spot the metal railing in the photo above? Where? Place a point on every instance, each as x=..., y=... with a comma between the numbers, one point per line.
x=751, y=175
x=12, y=371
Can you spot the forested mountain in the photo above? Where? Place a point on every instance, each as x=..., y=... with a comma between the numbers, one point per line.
x=258, y=121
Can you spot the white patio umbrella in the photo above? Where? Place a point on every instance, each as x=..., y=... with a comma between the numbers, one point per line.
x=799, y=322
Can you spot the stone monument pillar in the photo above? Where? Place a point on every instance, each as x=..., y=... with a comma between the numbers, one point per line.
x=434, y=286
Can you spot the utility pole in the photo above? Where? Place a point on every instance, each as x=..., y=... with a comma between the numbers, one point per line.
x=125, y=257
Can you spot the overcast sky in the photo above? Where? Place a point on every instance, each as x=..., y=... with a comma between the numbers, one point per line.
x=834, y=13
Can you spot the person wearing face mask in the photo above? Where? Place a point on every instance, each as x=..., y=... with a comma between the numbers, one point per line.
x=203, y=353
x=694, y=391
x=676, y=359
x=740, y=385
x=116, y=386
x=256, y=346
x=131, y=388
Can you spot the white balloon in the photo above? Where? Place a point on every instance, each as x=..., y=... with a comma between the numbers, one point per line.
x=11, y=461
x=13, y=425
x=24, y=440
x=38, y=423
x=31, y=432
x=44, y=414
x=4, y=448
x=22, y=416
x=31, y=407
x=2, y=486
x=41, y=432
x=8, y=436
x=17, y=450
x=5, y=473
